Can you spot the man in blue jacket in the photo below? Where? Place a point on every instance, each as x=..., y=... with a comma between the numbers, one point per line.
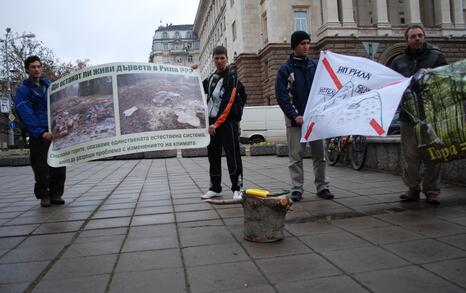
x=31, y=106
x=292, y=87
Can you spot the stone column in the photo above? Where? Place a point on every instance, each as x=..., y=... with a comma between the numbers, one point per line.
x=381, y=10
x=330, y=13
x=414, y=11
x=443, y=6
x=458, y=13
x=348, y=13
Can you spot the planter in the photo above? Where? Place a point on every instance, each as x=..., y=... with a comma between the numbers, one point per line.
x=160, y=154
x=262, y=149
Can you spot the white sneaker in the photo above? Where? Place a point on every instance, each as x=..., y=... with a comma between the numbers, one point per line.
x=237, y=194
x=210, y=194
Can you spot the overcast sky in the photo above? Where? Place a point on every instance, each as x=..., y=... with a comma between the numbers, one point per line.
x=100, y=30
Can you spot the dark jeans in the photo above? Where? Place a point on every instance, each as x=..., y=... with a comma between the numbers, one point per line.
x=226, y=137
x=49, y=181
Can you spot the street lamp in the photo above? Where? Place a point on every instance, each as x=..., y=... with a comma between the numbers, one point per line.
x=11, y=133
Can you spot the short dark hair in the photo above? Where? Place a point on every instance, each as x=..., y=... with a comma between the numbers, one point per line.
x=31, y=59
x=414, y=26
x=219, y=50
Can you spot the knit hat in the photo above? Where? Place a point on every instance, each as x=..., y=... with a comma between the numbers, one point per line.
x=297, y=37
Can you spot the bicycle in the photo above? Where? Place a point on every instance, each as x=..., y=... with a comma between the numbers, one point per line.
x=335, y=146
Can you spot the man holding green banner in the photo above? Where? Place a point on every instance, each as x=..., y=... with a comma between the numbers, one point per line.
x=419, y=54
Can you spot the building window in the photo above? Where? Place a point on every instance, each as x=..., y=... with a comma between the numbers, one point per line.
x=264, y=27
x=165, y=46
x=190, y=59
x=233, y=30
x=189, y=35
x=300, y=21
x=179, y=59
x=164, y=35
x=166, y=59
x=177, y=35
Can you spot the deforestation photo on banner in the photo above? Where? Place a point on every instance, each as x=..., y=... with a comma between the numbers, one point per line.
x=438, y=106
x=123, y=108
x=351, y=96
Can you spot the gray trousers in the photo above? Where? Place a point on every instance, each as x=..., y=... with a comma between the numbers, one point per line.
x=411, y=163
x=296, y=154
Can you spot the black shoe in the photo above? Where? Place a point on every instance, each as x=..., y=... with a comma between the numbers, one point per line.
x=296, y=196
x=57, y=201
x=410, y=195
x=45, y=201
x=325, y=194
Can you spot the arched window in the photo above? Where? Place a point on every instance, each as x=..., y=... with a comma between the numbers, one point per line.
x=190, y=59
x=189, y=35
x=164, y=35
x=177, y=35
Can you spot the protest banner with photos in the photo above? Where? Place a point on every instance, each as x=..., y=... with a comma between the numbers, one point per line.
x=437, y=105
x=351, y=96
x=123, y=108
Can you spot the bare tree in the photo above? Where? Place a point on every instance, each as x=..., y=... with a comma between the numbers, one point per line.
x=20, y=48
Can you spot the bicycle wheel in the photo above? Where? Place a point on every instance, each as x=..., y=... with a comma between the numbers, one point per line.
x=358, y=152
x=332, y=152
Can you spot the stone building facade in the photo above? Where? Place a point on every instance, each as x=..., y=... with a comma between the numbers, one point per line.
x=175, y=44
x=256, y=32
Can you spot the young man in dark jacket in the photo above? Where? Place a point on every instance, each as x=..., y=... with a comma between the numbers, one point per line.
x=419, y=54
x=31, y=106
x=226, y=98
x=292, y=87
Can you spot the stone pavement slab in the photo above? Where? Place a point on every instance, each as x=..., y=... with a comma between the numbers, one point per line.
x=335, y=284
x=363, y=259
x=226, y=276
x=140, y=226
x=452, y=270
x=405, y=279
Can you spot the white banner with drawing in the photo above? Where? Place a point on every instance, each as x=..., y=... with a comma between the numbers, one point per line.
x=123, y=108
x=351, y=96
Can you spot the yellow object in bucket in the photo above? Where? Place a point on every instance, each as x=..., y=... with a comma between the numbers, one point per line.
x=257, y=192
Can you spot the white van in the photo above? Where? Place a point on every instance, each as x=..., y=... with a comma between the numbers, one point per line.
x=262, y=123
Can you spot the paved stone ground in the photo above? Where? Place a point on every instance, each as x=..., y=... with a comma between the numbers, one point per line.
x=139, y=226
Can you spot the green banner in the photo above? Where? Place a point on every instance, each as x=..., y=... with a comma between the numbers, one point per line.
x=438, y=106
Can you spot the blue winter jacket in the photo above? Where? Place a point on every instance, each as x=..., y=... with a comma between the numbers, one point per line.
x=31, y=106
x=293, y=84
